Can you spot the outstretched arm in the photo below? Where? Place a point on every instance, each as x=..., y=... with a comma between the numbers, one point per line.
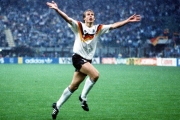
x=54, y=6
x=133, y=18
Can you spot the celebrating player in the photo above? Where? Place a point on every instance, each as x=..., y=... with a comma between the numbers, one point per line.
x=86, y=36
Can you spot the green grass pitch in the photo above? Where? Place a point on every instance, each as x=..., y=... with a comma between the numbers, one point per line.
x=121, y=93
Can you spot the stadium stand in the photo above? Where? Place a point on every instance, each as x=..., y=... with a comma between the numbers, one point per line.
x=34, y=25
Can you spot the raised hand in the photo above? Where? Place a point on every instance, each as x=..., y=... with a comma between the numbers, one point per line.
x=134, y=18
x=52, y=5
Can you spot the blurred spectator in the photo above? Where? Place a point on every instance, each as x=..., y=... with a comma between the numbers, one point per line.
x=32, y=23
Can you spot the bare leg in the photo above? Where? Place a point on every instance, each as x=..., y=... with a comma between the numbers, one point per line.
x=93, y=74
x=77, y=79
x=90, y=70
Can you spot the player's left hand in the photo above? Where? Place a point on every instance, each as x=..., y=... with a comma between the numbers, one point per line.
x=134, y=18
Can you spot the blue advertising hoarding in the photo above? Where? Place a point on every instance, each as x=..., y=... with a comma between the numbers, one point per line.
x=8, y=60
x=40, y=60
x=21, y=60
x=178, y=62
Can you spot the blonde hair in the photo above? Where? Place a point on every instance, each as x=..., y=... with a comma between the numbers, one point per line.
x=84, y=14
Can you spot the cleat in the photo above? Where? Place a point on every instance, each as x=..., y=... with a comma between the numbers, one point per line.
x=55, y=111
x=83, y=104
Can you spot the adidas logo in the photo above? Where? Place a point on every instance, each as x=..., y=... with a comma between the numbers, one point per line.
x=48, y=60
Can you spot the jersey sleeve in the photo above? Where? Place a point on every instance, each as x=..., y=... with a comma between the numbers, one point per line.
x=105, y=29
x=74, y=25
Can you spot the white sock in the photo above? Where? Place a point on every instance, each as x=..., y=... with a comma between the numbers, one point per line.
x=87, y=87
x=64, y=97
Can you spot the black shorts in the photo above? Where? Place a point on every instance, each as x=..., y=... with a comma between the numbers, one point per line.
x=78, y=61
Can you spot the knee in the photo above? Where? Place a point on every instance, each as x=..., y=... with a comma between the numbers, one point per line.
x=73, y=88
x=95, y=77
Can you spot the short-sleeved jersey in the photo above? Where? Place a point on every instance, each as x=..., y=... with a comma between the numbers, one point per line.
x=86, y=38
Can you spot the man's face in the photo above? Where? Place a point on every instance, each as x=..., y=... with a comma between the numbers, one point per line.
x=89, y=18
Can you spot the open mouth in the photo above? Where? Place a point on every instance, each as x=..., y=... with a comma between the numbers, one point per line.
x=90, y=19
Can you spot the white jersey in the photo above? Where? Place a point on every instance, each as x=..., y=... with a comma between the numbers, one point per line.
x=86, y=38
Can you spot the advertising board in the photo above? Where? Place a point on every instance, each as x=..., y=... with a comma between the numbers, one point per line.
x=40, y=60
x=178, y=62
x=108, y=61
x=68, y=60
x=148, y=61
x=166, y=61
x=8, y=60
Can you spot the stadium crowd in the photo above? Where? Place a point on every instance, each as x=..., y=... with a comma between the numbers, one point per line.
x=33, y=24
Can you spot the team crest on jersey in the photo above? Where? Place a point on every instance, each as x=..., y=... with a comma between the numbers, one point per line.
x=88, y=34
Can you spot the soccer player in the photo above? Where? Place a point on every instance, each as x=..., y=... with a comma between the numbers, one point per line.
x=86, y=36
